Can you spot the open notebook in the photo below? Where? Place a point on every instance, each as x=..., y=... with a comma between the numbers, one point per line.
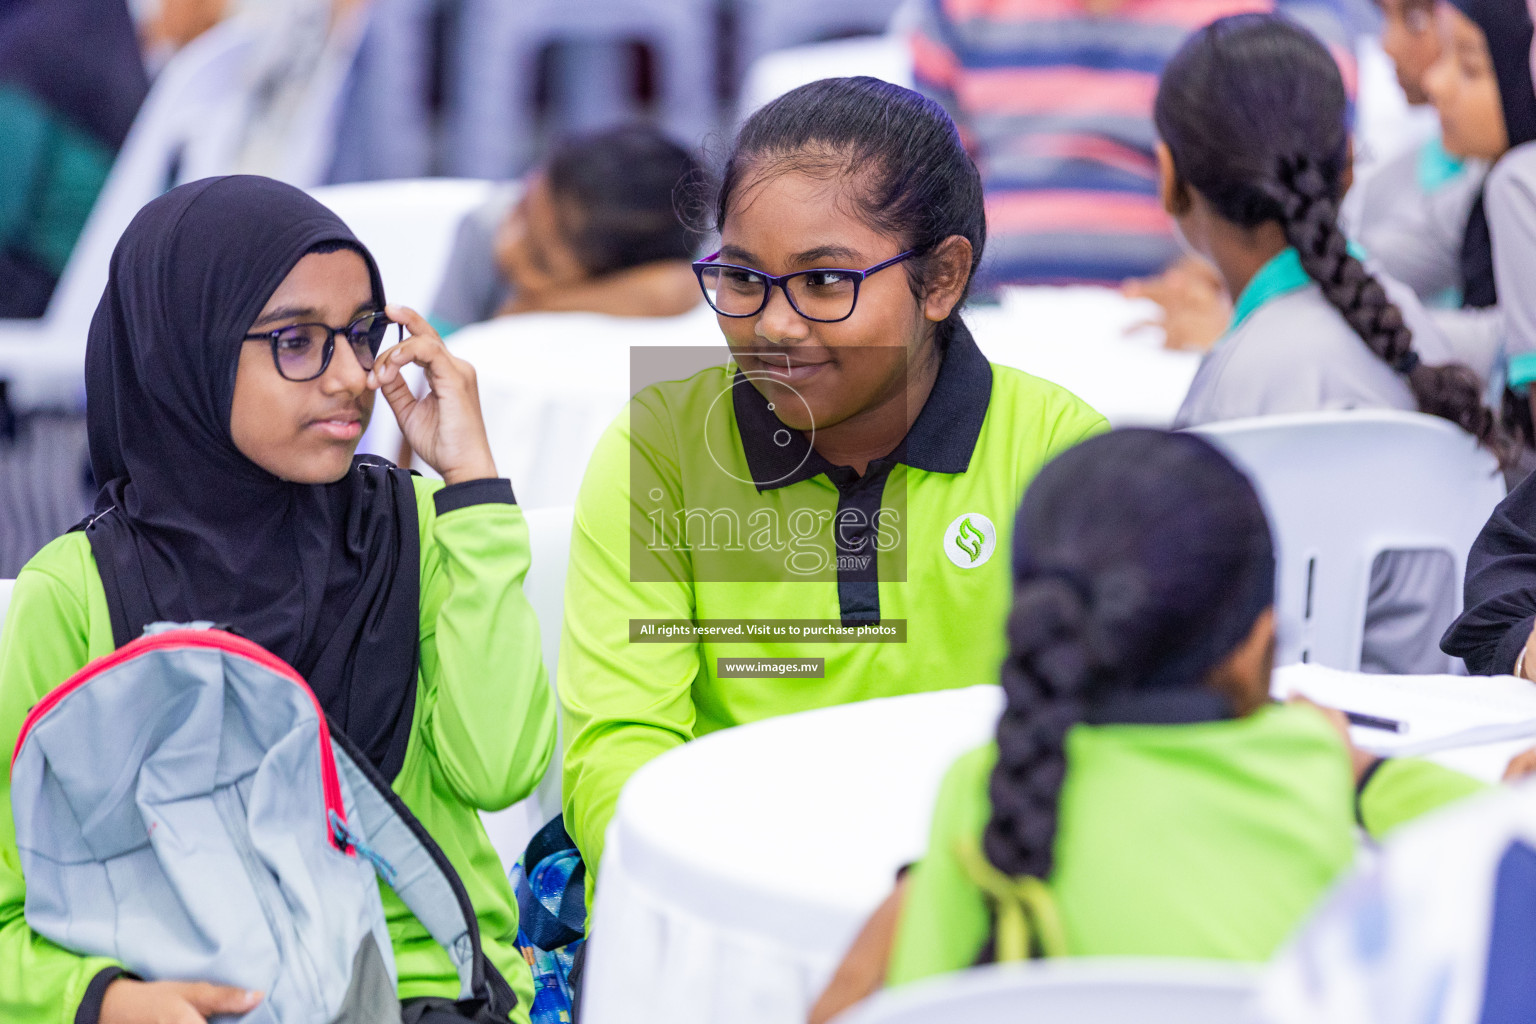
x=1472, y=723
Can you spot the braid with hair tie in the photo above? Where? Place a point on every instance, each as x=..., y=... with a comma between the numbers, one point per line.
x=1309, y=207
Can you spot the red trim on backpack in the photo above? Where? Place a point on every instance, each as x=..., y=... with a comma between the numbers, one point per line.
x=217, y=640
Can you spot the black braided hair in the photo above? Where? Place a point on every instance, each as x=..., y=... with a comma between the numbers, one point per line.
x=1254, y=112
x=1142, y=559
x=908, y=172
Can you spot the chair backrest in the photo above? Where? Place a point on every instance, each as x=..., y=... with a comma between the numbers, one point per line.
x=1341, y=488
x=492, y=130
x=549, y=535
x=5, y=598
x=1071, y=991
x=409, y=226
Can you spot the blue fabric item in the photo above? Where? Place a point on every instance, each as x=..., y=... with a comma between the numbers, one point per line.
x=1509, y=996
x=551, y=903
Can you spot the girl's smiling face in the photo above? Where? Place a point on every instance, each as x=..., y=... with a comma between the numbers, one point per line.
x=306, y=431
x=1462, y=86
x=816, y=374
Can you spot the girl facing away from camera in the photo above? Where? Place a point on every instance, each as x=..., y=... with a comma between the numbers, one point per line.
x=1143, y=796
x=1255, y=156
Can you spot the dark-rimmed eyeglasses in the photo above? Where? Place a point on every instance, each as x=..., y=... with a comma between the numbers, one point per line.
x=825, y=295
x=303, y=351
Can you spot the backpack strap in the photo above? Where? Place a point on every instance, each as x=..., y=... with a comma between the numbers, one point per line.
x=407, y=858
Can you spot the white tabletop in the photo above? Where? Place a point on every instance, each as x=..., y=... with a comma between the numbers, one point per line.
x=739, y=867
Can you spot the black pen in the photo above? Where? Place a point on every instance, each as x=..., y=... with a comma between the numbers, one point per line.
x=1373, y=722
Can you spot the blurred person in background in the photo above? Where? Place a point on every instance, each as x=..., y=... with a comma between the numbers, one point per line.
x=1054, y=100
x=62, y=120
x=593, y=229
x=1410, y=214
x=589, y=251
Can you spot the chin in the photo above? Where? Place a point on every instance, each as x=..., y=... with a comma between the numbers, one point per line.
x=323, y=468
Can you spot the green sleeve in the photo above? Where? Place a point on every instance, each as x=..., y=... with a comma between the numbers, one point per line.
x=1401, y=789
x=45, y=641
x=488, y=715
x=944, y=918
x=622, y=703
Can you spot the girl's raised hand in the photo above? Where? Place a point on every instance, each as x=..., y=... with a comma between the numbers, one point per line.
x=443, y=426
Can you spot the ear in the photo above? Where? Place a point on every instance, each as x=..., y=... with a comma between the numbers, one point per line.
x=1243, y=677
x=949, y=268
x=1347, y=179
x=1171, y=189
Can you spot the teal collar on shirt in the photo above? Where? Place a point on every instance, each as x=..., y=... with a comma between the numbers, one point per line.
x=1436, y=167
x=1280, y=276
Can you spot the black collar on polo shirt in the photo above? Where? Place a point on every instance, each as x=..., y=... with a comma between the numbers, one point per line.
x=941, y=440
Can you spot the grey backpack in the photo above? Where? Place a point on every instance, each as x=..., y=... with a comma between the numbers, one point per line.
x=183, y=807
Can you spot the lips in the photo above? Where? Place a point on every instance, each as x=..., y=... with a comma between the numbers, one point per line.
x=341, y=427
x=787, y=366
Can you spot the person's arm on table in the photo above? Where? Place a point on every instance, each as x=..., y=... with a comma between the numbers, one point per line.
x=622, y=703
x=1500, y=605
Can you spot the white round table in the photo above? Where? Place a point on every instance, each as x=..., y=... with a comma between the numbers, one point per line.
x=740, y=866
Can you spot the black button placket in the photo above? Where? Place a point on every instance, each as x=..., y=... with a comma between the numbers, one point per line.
x=854, y=529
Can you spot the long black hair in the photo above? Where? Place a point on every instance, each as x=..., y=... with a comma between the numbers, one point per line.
x=1141, y=560
x=900, y=154
x=615, y=191
x=1254, y=112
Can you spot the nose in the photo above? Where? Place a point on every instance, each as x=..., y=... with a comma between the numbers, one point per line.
x=779, y=323
x=345, y=375
x=1436, y=77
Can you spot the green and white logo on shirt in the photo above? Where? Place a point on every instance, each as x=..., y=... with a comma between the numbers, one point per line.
x=970, y=540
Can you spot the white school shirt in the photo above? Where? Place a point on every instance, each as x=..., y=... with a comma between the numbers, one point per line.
x=1290, y=351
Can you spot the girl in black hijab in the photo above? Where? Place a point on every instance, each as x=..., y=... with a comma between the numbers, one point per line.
x=1481, y=88
x=1459, y=84
x=230, y=370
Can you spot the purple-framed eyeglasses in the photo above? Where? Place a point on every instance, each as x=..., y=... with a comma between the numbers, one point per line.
x=825, y=294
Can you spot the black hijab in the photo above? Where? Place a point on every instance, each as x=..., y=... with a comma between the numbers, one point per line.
x=1507, y=26
x=186, y=527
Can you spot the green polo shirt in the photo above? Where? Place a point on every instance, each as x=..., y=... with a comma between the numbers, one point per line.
x=1208, y=839
x=706, y=530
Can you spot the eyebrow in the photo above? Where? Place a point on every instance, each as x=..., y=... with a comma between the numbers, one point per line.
x=735, y=254
x=305, y=314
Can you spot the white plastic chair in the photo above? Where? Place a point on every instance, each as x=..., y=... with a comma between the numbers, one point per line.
x=492, y=130
x=5, y=598
x=409, y=226
x=1341, y=488
x=549, y=534
x=1072, y=991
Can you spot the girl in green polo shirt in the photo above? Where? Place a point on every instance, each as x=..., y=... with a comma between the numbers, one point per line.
x=230, y=369
x=812, y=519
x=1143, y=796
